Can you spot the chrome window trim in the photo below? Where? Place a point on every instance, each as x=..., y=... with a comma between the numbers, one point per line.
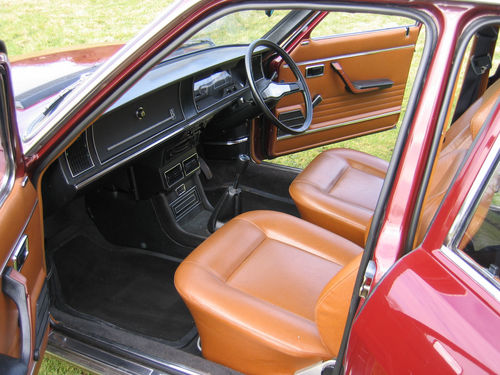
x=354, y=33
x=349, y=55
x=7, y=181
x=450, y=248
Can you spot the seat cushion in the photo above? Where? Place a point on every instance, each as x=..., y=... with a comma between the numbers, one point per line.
x=253, y=288
x=339, y=190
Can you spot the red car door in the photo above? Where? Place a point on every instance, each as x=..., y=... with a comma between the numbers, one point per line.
x=437, y=310
x=24, y=301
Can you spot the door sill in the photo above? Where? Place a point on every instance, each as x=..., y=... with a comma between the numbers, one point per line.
x=98, y=361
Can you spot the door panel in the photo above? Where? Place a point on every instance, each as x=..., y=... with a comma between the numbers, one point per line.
x=22, y=263
x=20, y=215
x=377, y=55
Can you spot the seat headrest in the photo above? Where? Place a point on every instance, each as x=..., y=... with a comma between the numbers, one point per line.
x=488, y=100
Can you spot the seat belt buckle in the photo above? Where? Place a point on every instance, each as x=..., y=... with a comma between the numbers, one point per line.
x=480, y=64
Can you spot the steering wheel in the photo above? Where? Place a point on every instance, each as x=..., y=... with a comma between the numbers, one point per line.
x=266, y=89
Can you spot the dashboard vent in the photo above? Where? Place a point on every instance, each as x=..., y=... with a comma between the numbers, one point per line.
x=174, y=175
x=78, y=156
x=191, y=164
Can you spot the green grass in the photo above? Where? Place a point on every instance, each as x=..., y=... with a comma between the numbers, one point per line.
x=52, y=365
x=28, y=26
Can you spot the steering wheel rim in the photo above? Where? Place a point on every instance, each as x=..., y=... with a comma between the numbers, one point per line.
x=257, y=92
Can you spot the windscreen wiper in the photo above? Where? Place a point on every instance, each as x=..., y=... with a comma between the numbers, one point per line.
x=33, y=127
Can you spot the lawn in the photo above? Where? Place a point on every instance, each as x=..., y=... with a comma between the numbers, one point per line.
x=31, y=26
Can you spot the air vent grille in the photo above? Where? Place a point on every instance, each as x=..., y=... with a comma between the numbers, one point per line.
x=191, y=164
x=78, y=156
x=174, y=175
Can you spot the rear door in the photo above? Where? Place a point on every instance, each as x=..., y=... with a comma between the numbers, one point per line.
x=358, y=64
x=24, y=299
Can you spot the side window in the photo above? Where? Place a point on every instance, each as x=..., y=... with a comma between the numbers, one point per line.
x=481, y=239
x=337, y=23
x=476, y=89
x=6, y=167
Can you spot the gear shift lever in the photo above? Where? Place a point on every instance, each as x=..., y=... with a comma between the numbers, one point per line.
x=242, y=166
x=229, y=203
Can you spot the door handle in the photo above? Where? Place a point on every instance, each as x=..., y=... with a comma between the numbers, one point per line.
x=20, y=253
x=361, y=86
x=315, y=70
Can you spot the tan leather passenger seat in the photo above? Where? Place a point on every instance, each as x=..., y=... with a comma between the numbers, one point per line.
x=269, y=292
x=339, y=189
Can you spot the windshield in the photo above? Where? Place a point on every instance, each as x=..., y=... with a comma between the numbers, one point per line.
x=238, y=28
x=235, y=28
x=46, y=66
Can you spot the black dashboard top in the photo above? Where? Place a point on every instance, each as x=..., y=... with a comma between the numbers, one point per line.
x=175, y=96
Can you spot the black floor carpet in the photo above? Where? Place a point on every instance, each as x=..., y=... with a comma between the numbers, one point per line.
x=131, y=289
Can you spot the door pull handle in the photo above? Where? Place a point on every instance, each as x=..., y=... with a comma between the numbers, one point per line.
x=361, y=86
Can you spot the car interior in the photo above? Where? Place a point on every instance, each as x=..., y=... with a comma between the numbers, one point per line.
x=169, y=230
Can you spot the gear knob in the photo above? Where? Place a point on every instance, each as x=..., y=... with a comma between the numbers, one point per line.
x=242, y=164
x=243, y=161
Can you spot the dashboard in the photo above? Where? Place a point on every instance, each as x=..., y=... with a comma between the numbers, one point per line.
x=178, y=96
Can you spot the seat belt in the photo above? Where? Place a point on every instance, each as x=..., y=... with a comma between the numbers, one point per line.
x=480, y=65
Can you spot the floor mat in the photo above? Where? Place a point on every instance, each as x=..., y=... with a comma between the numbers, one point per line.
x=129, y=288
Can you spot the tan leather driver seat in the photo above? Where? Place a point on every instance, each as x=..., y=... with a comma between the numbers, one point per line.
x=269, y=292
x=339, y=189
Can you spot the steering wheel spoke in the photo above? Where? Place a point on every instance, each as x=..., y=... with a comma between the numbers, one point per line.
x=268, y=90
x=276, y=91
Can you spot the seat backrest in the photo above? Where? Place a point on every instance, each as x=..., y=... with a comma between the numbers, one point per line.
x=333, y=304
x=457, y=142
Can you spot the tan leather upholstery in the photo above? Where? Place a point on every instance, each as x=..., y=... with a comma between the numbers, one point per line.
x=457, y=141
x=269, y=292
x=338, y=191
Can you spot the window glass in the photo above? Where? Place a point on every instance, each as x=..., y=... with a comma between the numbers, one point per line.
x=238, y=28
x=457, y=136
x=481, y=239
x=347, y=23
